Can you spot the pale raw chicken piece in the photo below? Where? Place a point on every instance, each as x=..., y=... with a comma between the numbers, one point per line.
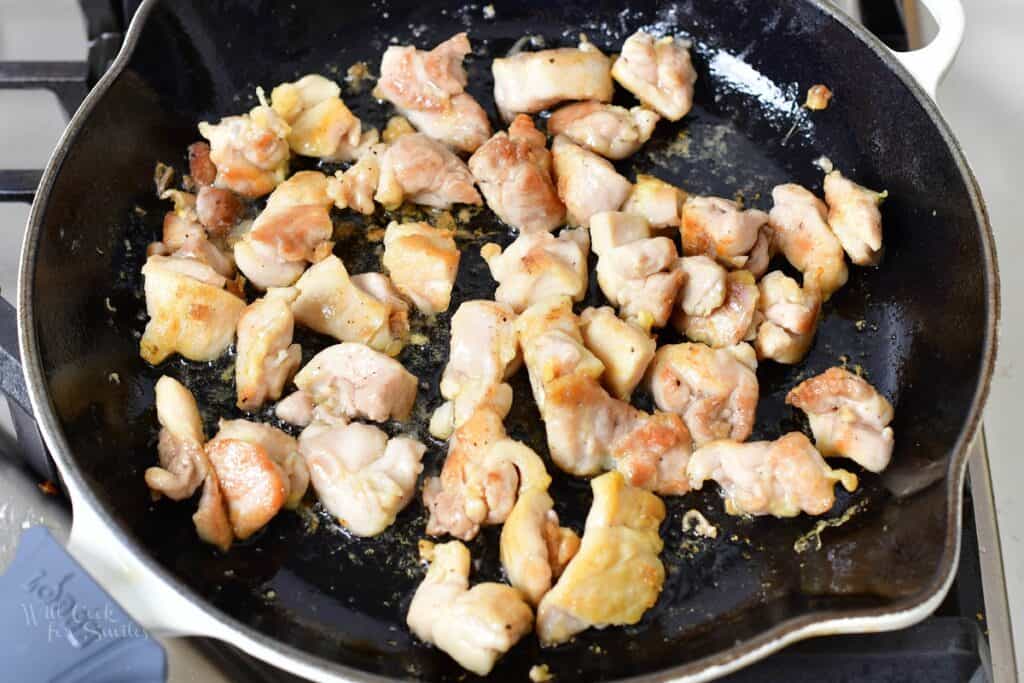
x=781, y=478
x=625, y=349
x=855, y=219
x=475, y=626
x=354, y=381
x=790, y=319
x=529, y=82
x=762, y=253
x=279, y=446
x=422, y=262
x=704, y=285
x=534, y=549
x=730, y=323
x=587, y=183
x=659, y=72
x=249, y=151
x=266, y=358
x=802, y=234
x=714, y=390
x=848, y=417
x=296, y=409
x=253, y=486
x=611, y=131
x=719, y=228
x=616, y=576
x=354, y=187
x=657, y=201
x=538, y=265
x=421, y=170
x=186, y=315
x=362, y=478
x=321, y=125
x=514, y=173
x=330, y=302
x=183, y=464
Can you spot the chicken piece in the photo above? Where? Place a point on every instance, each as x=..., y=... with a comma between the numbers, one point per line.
x=363, y=478
x=320, y=124
x=762, y=253
x=423, y=262
x=421, y=170
x=514, y=173
x=266, y=358
x=781, y=478
x=181, y=223
x=790, y=319
x=611, y=131
x=279, y=446
x=475, y=626
x=250, y=152
x=587, y=184
x=211, y=516
x=658, y=72
x=330, y=302
x=803, y=236
x=704, y=285
x=305, y=188
x=380, y=287
x=463, y=125
x=217, y=209
x=202, y=250
x=252, y=486
x=263, y=267
x=719, y=228
x=296, y=222
x=855, y=219
x=730, y=323
x=202, y=171
x=354, y=381
x=714, y=390
x=354, y=187
x=538, y=265
x=534, y=549
x=528, y=82
x=296, y=409
x=183, y=464
x=625, y=349
x=616, y=576
x=187, y=315
x=657, y=201
x=848, y=417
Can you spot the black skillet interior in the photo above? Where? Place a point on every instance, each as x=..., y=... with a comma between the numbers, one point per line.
x=915, y=325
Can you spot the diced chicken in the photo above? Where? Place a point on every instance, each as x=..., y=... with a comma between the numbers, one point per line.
x=719, y=228
x=280, y=447
x=803, y=236
x=538, y=265
x=625, y=349
x=855, y=219
x=264, y=267
x=790, y=319
x=534, y=549
x=200, y=168
x=182, y=223
x=782, y=478
x=514, y=173
x=657, y=201
x=183, y=464
x=475, y=626
x=218, y=209
x=421, y=170
x=704, y=285
x=848, y=417
x=380, y=287
x=730, y=323
x=422, y=262
x=200, y=249
x=762, y=253
x=531, y=81
x=320, y=124
x=266, y=358
x=611, y=131
x=354, y=187
x=587, y=183
x=250, y=152
x=616, y=576
x=659, y=72
x=363, y=478
x=296, y=409
x=252, y=486
x=354, y=381
x=305, y=188
x=211, y=516
x=463, y=126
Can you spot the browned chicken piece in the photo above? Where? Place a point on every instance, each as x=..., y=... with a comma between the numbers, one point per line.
x=264, y=267
x=714, y=390
x=762, y=253
x=719, y=228
x=855, y=219
x=659, y=72
x=730, y=323
x=848, y=417
x=538, y=265
x=534, y=549
x=355, y=187
x=802, y=234
x=611, y=131
x=354, y=381
x=422, y=262
x=200, y=168
x=250, y=152
x=380, y=287
x=280, y=447
x=616, y=576
x=587, y=183
x=463, y=125
x=790, y=319
x=625, y=349
x=529, y=82
x=657, y=201
x=266, y=358
x=475, y=626
x=703, y=287
x=320, y=124
x=183, y=464
x=211, y=516
x=420, y=170
x=781, y=478
x=217, y=209
x=514, y=173
x=181, y=223
x=252, y=486
x=201, y=250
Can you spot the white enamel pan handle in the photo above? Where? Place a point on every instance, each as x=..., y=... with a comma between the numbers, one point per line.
x=929, y=64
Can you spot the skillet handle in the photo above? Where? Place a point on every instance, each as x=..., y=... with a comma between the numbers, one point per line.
x=929, y=64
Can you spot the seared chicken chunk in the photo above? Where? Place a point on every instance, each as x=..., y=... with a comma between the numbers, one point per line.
x=611, y=131
x=625, y=349
x=475, y=626
x=538, y=265
x=658, y=72
x=719, y=228
x=587, y=184
x=250, y=152
x=802, y=234
x=202, y=171
x=616, y=576
x=534, y=549
x=421, y=170
x=381, y=288
x=181, y=223
x=514, y=173
x=321, y=125
x=790, y=319
x=848, y=417
x=657, y=201
x=730, y=323
x=782, y=478
x=422, y=262
x=704, y=285
x=266, y=358
x=183, y=464
x=355, y=187
x=297, y=409
x=855, y=219
x=280, y=447
x=762, y=253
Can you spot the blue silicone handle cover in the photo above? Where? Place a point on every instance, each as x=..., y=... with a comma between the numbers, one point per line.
x=57, y=624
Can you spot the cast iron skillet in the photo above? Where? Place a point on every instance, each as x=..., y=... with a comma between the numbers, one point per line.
x=312, y=599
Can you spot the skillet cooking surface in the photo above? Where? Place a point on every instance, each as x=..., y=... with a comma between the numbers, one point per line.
x=915, y=325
